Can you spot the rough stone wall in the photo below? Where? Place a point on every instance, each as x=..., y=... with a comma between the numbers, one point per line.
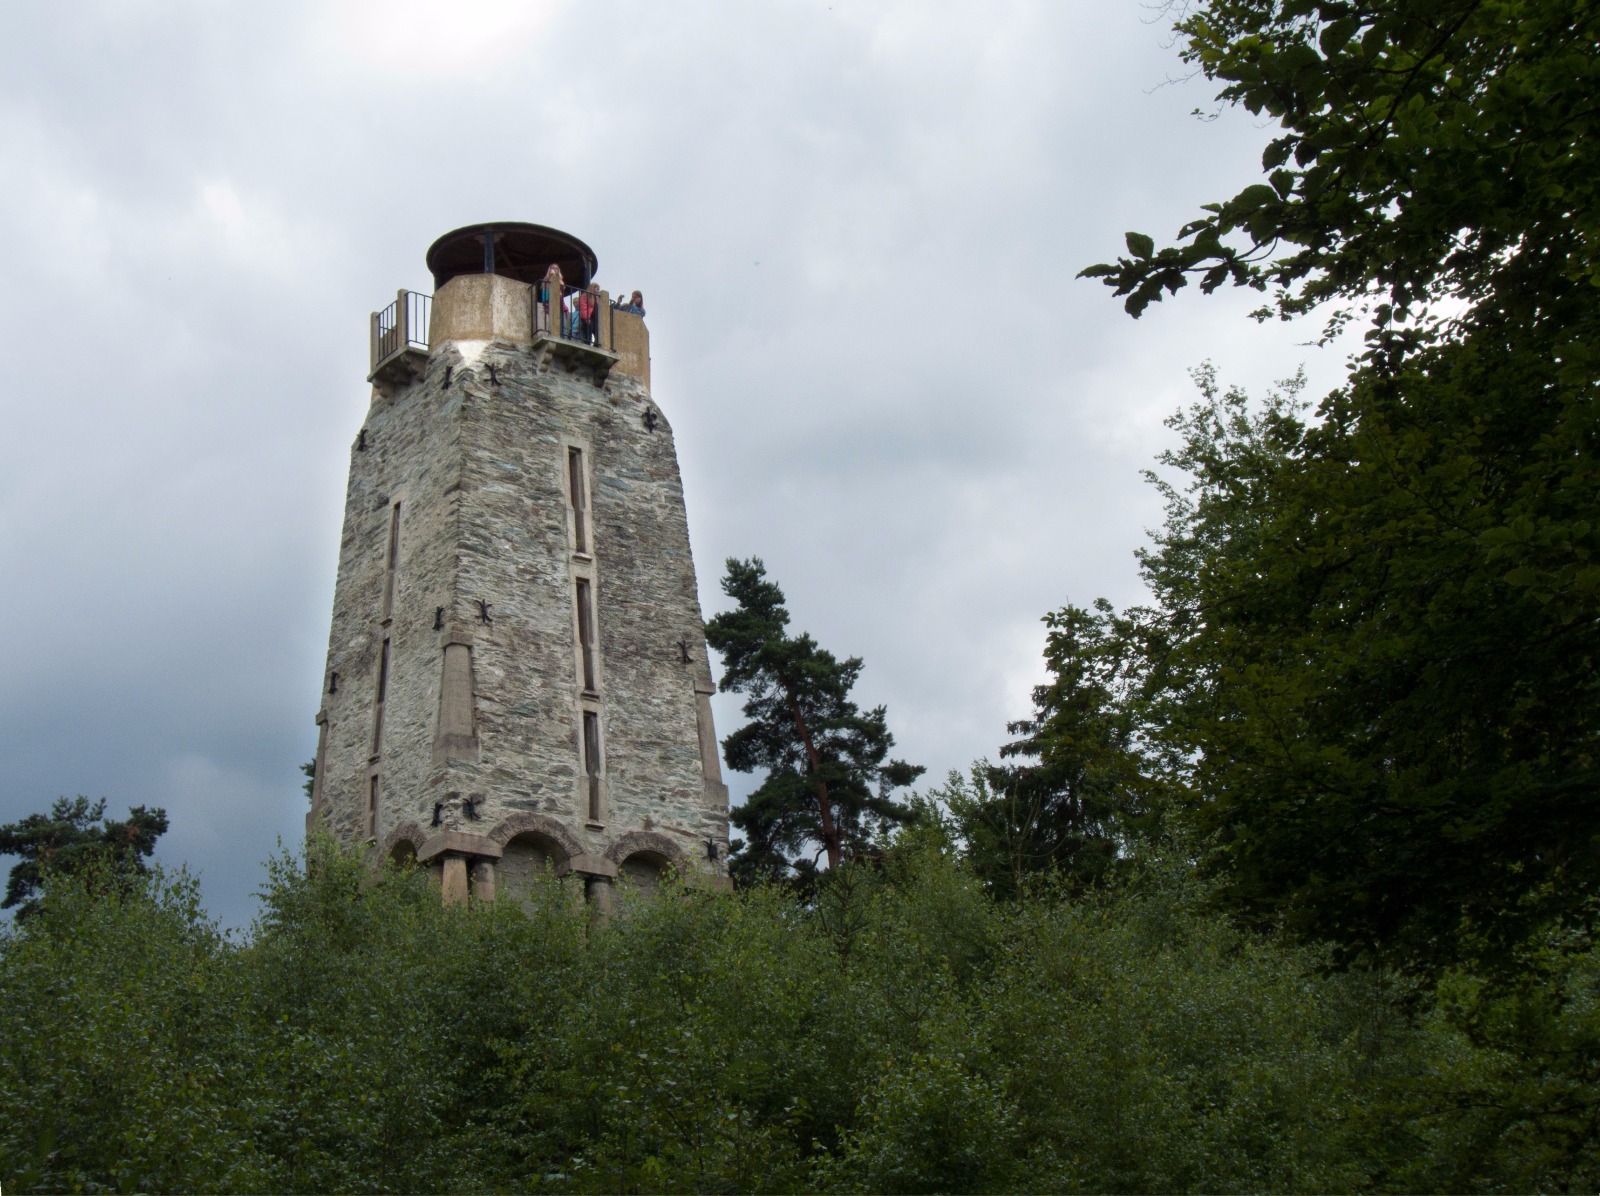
x=476, y=450
x=408, y=451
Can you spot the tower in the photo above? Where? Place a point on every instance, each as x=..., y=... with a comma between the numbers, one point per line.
x=517, y=675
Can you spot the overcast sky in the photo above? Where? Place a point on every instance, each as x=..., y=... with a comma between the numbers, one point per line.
x=203, y=201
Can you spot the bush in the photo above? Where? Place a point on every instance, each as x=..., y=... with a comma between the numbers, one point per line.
x=898, y=1031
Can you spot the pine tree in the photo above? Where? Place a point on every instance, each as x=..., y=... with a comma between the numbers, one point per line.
x=66, y=841
x=828, y=784
x=1073, y=794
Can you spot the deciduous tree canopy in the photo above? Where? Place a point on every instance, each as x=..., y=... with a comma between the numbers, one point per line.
x=905, y=1033
x=1427, y=150
x=1376, y=629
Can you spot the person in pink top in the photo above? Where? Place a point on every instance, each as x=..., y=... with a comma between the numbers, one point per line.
x=587, y=325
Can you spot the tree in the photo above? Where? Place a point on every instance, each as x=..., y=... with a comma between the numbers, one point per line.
x=1074, y=795
x=1381, y=736
x=67, y=841
x=1376, y=628
x=828, y=785
x=1428, y=150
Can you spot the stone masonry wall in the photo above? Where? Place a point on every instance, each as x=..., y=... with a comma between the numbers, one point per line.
x=408, y=451
x=475, y=451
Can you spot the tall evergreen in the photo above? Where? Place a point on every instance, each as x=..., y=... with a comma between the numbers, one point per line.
x=828, y=785
x=67, y=841
x=1073, y=791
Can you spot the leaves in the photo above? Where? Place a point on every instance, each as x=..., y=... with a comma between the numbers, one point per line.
x=901, y=1032
x=1372, y=641
x=1368, y=662
x=1446, y=150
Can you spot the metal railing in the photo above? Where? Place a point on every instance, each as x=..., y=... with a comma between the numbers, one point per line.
x=400, y=326
x=579, y=315
x=588, y=309
x=583, y=314
x=543, y=322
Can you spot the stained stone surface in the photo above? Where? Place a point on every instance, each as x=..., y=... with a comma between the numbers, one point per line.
x=475, y=451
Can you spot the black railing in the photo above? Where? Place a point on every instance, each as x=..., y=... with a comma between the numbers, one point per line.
x=575, y=315
x=586, y=312
x=543, y=305
x=581, y=314
x=400, y=326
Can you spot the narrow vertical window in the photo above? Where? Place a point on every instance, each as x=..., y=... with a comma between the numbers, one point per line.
x=393, y=560
x=586, y=639
x=591, y=761
x=372, y=806
x=578, y=499
x=383, y=693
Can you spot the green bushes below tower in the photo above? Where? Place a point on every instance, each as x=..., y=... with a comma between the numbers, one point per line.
x=901, y=1031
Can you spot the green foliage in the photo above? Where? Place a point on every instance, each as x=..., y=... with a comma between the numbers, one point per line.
x=1518, y=1110
x=931, y=1126
x=1077, y=797
x=901, y=1031
x=118, y=1027
x=828, y=784
x=66, y=841
x=1373, y=644
x=1187, y=1056
x=1427, y=149
x=1382, y=738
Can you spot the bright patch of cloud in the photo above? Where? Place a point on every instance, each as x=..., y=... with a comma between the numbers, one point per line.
x=248, y=231
x=428, y=39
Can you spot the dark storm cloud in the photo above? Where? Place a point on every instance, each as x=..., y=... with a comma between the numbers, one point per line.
x=856, y=227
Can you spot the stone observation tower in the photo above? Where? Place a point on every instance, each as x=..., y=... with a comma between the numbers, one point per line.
x=517, y=675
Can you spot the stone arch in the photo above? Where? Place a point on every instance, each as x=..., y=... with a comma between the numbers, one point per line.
x=543, y=825
x=645, y=858
x=402, y=844
x=531, y=845
x=646, y=841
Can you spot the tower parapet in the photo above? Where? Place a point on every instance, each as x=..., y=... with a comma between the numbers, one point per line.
x=517, y=674
x=492, y=283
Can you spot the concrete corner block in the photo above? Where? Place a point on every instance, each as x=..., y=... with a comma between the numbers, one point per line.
x=588, y=865
x=459, y=843
x=455, y=634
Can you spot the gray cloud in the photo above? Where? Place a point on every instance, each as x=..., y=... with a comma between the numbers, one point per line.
x=857, y=227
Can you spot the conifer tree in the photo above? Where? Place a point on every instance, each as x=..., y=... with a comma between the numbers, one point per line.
x=1073, y=792
x=67, y=841
x=828, y=785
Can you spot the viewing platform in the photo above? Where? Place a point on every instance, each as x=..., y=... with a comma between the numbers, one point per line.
x=494, y=282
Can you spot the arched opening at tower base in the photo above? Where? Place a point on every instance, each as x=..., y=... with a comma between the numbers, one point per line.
x=403, y=854
x=529, y=859
x=645, y=870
